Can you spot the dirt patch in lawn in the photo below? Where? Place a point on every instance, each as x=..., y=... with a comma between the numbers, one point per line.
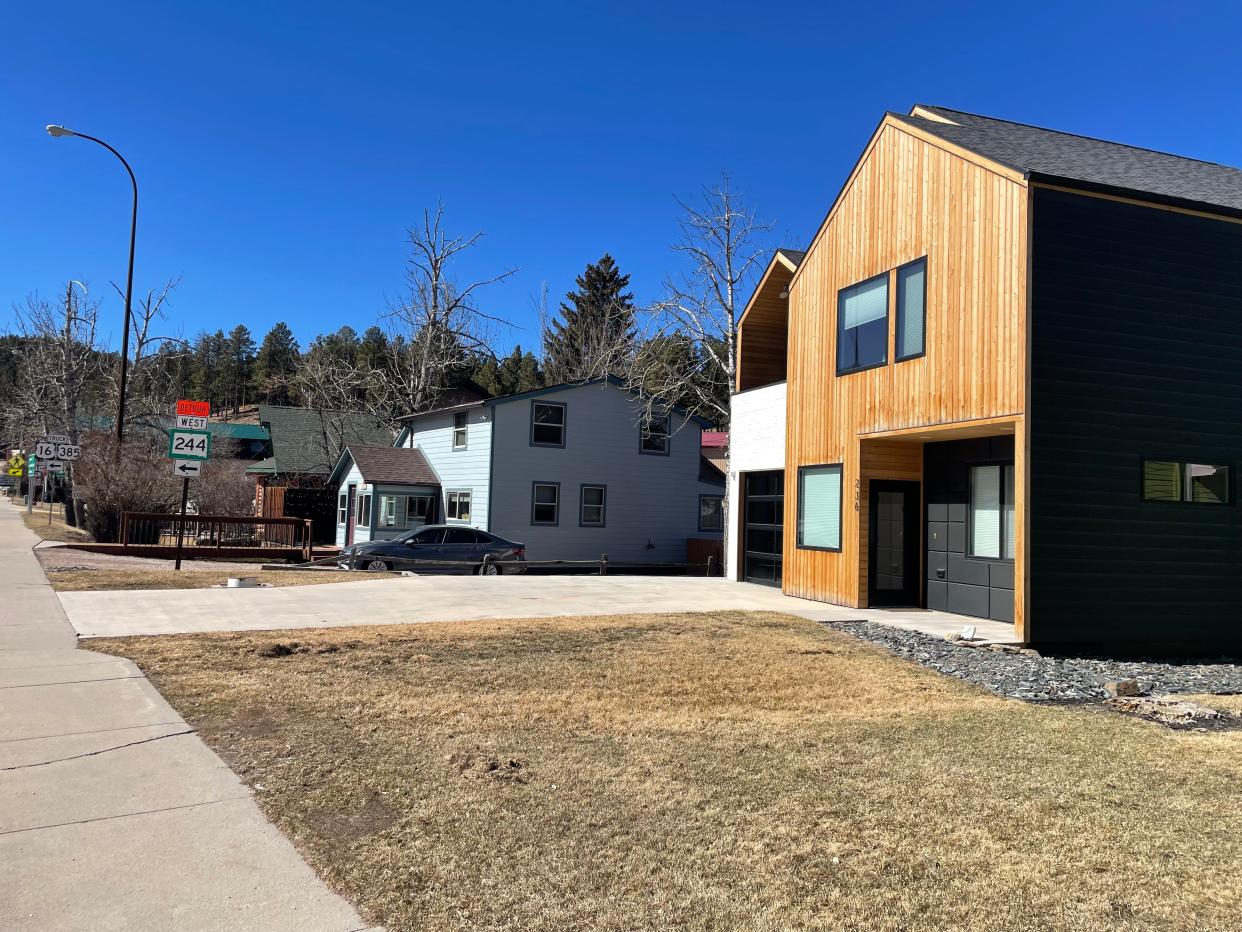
x=703, y=772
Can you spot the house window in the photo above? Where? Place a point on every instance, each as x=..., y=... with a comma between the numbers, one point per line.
x=911, y=309
x=417, y=508
x=1197, y=483
x=711, y=513
x=655, y=435
x=547, y=424
x=459, y=431
x=342, y=508
x=819, y=507
x=993, y=533
x=388, y=511
x=862, y=325
x=457, y=506
x=592, y=507
x=364, y=510
x=545, y=504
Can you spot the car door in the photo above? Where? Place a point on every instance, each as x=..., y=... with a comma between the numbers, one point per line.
x=461, y=544
x=425, y=545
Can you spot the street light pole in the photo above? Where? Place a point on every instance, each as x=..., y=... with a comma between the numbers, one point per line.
x=57, y=131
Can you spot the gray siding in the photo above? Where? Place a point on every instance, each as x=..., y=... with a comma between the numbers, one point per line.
x=459, y=470
x=650, y=498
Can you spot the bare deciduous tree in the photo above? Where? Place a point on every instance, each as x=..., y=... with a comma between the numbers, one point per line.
x=150, y=390
x=692, y=331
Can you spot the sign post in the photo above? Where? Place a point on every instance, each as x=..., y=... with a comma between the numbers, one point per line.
x=189, y=443
x=31, y=466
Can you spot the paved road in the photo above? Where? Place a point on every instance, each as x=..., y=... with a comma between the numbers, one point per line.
x=113, y=814
x=459, y=598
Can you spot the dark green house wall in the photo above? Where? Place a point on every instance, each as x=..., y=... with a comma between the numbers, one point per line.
x=1136, y=352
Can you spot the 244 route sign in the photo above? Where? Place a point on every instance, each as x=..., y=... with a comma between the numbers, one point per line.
x=189, y=444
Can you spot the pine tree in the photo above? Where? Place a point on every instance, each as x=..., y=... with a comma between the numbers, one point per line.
x=594, y=332
x=518, y=372
x=275, y=365
x=237, y=368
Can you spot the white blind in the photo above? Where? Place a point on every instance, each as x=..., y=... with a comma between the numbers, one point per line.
x=985, y=513
x=820, y=497
x=865, y=302
x=910, y=293
x=1011, y=539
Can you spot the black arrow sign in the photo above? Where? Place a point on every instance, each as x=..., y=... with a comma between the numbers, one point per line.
x=186, y=467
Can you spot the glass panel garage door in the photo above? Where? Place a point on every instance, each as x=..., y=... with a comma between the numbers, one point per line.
x=763, y=526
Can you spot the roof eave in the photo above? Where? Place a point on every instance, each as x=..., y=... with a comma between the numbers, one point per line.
x=1131, y=194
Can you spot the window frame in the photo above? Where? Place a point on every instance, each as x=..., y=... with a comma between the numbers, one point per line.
x=461, y=425
x=342, y=508
x=720, y=500
x=644, y=433
x=897, y=312
x=602, y=506
x=564, y=425
x=1182, y=464
x=970, y=505
x=385, y=499
x=364, y=510
x=534, y=486
x=888, y=301
x=425, y=517
x=840, y=468
x=448, y=499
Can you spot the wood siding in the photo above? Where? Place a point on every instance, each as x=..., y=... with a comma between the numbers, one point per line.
x=907, y=198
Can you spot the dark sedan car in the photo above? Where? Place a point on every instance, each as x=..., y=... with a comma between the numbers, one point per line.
x=415, y=549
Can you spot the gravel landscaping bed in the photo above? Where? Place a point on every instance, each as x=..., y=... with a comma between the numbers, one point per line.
x=1027, y=675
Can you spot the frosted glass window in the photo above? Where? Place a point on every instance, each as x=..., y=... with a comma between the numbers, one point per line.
x=985, y=511
x=911, y=308
x=819, y=507
x=1011, y=539
x=862, y=325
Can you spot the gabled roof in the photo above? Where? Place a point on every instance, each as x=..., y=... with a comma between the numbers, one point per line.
x=309, y=440
x=1052, y=155
x=793, y=256
x=386, y=465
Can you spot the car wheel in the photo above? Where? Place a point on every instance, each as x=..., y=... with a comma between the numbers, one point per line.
x=490, y=569
x=377, y=566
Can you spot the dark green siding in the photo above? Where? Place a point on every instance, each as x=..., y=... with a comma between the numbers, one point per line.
x=1136, y=352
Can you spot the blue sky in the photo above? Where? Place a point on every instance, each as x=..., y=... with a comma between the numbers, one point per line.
x=283, y=148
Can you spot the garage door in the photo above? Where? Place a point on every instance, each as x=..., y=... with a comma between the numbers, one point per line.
x=763, y=526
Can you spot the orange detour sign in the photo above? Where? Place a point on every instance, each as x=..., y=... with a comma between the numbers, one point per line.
x=194, y=408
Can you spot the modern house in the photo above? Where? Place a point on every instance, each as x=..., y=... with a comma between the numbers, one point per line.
x=306, y=443
x=1008, y=368
x=572, y=471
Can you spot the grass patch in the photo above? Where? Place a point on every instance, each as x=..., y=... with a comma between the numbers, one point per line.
x=703, y=772
x=95, y=580
x=57, y=530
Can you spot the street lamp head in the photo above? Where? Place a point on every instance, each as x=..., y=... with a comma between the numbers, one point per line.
x=54, y=130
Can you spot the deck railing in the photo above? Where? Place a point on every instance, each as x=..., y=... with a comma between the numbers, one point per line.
x=143, y=529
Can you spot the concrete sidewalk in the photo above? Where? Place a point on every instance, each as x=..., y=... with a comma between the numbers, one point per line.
x=462, y=598
x=113, y=814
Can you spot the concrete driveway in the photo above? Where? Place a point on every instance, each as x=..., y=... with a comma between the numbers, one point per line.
x=458, y=598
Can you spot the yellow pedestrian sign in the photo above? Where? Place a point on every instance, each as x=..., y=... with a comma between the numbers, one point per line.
x=17, y=467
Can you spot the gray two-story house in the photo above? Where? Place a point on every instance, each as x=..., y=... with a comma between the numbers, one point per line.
x=572, y=471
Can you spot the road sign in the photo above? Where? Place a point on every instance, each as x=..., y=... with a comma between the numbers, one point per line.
x=57, y=438
x=55, y=466
x=187, y=469
x=50, y=448
x=45, y=449
x=194, y=408
x=189, y=444
x=191, y=422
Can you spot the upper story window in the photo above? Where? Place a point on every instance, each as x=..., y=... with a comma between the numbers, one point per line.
x=1199, y=483
x=862, y=325
x=911, y=309
x=547, y=424
x=655, y=435
x=459, y=430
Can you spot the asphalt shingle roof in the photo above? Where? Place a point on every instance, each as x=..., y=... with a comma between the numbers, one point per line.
x=309, y=440
x=392, y=465
x=1038, y=151
x=793, y=255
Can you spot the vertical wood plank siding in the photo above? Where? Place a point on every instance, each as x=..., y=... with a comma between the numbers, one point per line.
x=908, y=198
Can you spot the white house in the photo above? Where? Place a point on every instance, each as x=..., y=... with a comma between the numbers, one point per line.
x=382, y=492
x=572, y=471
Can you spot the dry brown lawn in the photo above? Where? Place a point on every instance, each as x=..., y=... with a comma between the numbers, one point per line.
x=80, y=580
x=705, y=772
x=57, y=530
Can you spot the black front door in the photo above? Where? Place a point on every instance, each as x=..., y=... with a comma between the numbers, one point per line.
x=893, y=563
